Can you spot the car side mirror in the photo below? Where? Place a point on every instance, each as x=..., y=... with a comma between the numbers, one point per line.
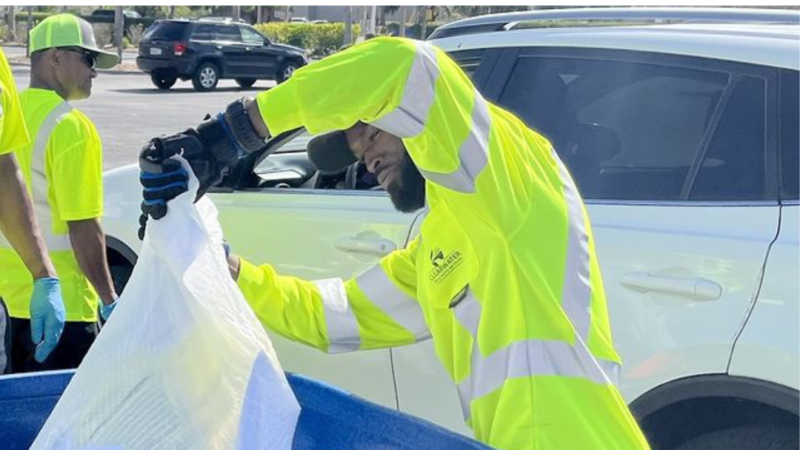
x=266, y=43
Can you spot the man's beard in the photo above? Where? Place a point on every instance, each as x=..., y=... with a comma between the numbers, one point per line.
x=408, y=193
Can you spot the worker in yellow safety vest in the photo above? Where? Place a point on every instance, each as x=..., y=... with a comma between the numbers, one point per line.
x=20, y=233
x=503, y=276
x=63, y=169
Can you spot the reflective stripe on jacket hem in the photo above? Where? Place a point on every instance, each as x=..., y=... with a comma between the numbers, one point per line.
x=525, y=358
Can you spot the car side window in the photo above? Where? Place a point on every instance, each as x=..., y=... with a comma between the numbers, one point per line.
x=251, y=37
x=734, y=165
x=626, y=129
x=227, y=33
x=790, y=148
x=468, y=60
x=203, y=33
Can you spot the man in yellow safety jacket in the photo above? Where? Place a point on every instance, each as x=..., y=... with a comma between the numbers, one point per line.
x=19, y=231
x=503, y=276
x=63, y=168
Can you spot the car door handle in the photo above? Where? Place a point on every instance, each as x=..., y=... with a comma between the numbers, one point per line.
x=370, y=246
x=247, y=49
x=694, y=288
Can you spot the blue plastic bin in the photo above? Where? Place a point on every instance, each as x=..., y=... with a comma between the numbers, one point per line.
x=331, y=419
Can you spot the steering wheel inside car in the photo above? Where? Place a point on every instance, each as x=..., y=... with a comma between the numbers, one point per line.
x=358, y=178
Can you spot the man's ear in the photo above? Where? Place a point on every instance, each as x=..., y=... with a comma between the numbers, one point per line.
x=54, y=57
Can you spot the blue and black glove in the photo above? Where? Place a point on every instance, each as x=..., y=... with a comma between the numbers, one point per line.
x=47, y=316
x=211, y=149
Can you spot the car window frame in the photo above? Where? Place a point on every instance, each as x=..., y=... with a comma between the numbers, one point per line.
x=786, y=198
x=507, y=61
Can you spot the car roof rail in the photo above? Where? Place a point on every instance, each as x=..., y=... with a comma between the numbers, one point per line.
x=221, y=19
x=508, y=21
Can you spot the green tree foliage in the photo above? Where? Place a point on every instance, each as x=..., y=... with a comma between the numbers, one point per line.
x=318, y=39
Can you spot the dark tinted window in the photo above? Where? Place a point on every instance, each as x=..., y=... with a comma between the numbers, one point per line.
x=734, y=163
x=168, y=31
x=469, y=60
x=227, y=33
x=626, y=130
x=251, y=36
x=203, y=32
x=790, y=149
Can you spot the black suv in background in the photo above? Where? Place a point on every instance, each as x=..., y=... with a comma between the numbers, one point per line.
x=206, y=51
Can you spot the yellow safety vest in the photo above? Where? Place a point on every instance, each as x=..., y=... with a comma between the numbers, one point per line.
x=503, y=276
x=14, y=135
x=63, y=171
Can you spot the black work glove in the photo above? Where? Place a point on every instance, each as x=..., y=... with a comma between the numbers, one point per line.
x=210, y=149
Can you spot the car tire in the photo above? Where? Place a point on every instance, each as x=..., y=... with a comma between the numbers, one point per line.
x=206, y=77
x=120, y=274
x=162, y=81
x=245, y=83
x=746, y=438
x=285, y=71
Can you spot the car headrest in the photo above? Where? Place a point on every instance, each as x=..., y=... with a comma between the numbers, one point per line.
x=593, y=142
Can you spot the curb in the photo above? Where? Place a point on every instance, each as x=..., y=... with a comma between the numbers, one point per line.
x=24, y=68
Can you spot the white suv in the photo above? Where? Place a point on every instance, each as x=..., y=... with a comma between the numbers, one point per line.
x=683, y=138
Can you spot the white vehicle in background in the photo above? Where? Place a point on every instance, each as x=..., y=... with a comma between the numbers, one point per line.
x=682, y=135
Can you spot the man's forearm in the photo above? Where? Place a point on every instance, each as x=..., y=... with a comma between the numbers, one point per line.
x=18, y=221
x=89, y=245
x=234, y=265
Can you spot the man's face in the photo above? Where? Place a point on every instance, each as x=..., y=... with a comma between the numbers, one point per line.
x=75, y=71
x=386, y=157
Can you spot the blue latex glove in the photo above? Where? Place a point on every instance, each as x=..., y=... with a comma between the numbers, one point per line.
x=47, y=316
x=106, y=310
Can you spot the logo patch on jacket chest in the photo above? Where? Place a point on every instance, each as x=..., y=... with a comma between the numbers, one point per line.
x=443, y=264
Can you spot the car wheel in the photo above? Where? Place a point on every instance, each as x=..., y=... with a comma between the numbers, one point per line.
x=286, y=71
x=245, y=83
x=205, y=77
x=746, y=438
x=120, y=274
x=162, y=81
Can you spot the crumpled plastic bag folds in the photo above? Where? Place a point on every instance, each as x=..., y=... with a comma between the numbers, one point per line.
x=183, y=363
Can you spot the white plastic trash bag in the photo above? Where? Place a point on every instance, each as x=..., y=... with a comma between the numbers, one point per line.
x=183, y=363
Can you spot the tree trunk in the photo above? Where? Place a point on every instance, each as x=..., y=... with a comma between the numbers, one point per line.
x=27, y=35
x=403, y=21
x=348, y=26
x=119, y=28
x=373, y=12
x=423, y=22
x=12, y=20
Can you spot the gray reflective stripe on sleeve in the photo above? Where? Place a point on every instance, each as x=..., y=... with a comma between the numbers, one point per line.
x=576, y=296
x=473, y=154
x=342, y=326
x=384, y=294
x=39, y=184
x=409, y=118
x=522, y=359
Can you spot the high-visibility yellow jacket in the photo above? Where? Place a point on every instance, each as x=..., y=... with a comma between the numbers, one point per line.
x=503, y=276
x=63, y=169
x=13, y=134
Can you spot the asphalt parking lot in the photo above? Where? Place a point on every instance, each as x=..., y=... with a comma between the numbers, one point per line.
x=128, y=110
